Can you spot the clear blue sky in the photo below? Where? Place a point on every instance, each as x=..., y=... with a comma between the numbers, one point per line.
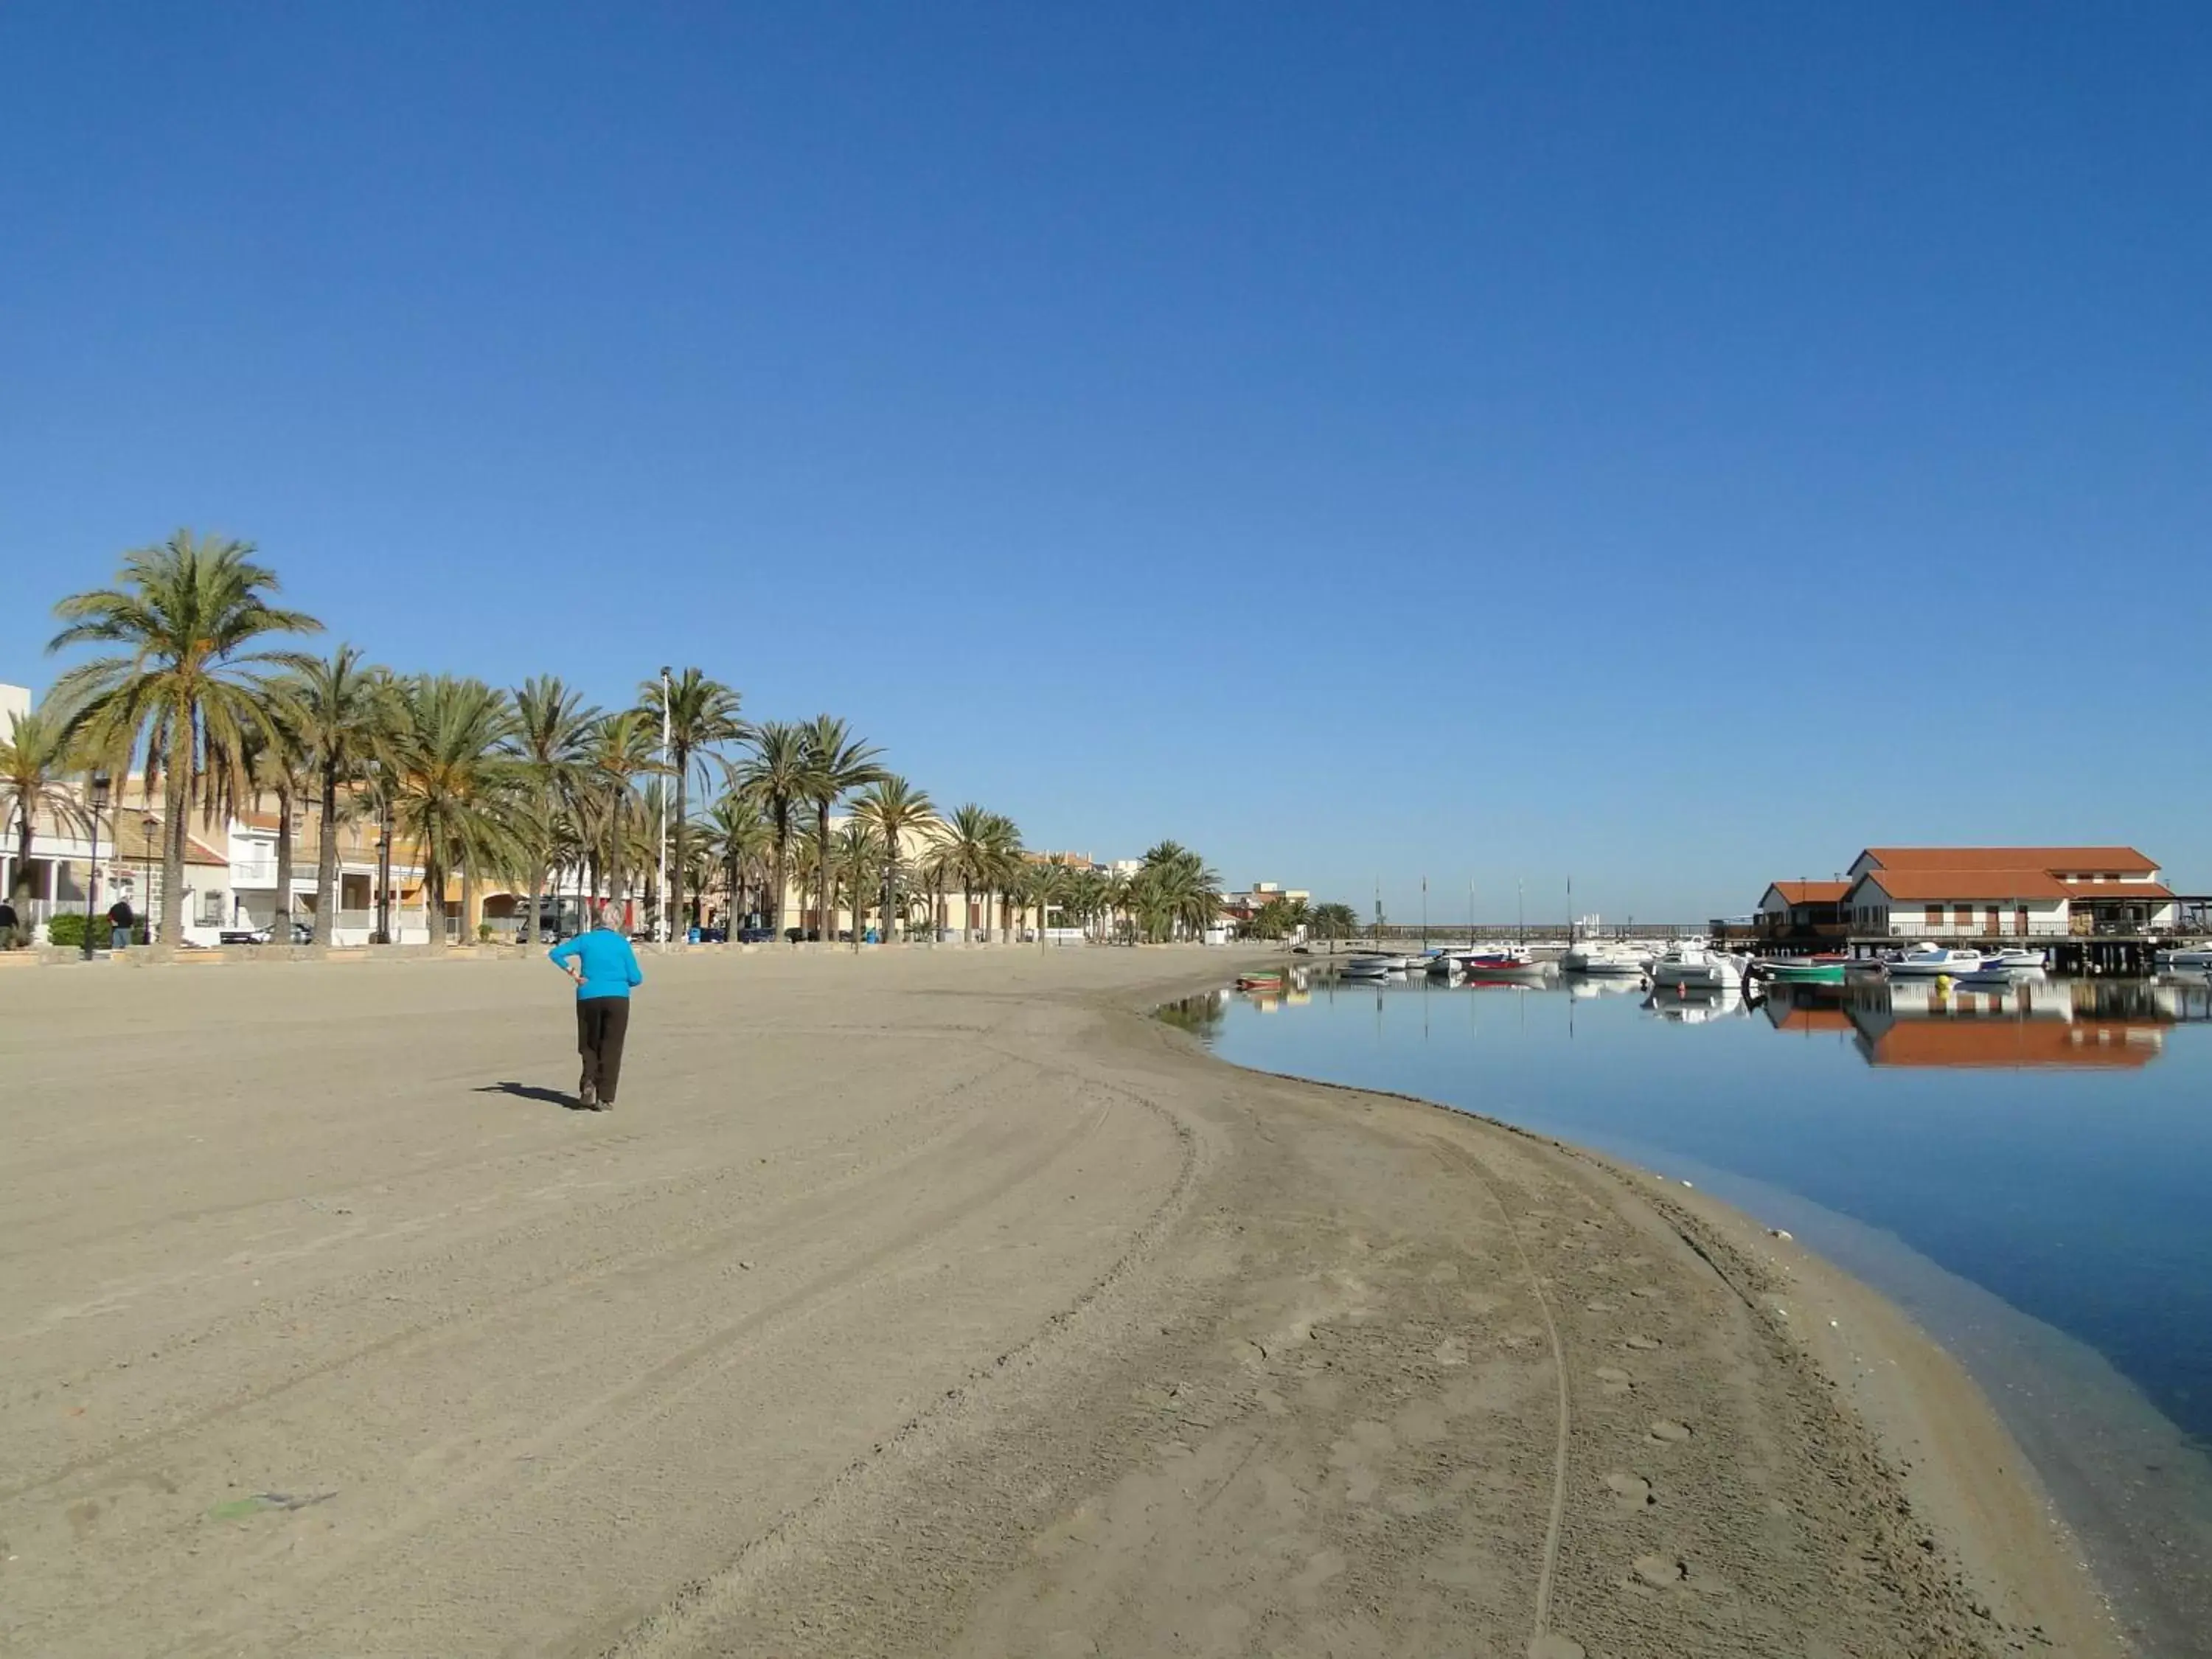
x=1339, y=438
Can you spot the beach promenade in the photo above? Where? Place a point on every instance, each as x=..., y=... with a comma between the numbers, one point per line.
x=913, y=1302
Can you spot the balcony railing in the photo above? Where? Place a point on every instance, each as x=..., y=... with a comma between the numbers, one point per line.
x=1907, y=927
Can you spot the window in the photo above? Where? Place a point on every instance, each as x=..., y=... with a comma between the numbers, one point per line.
x=1965, y=915
x=1935, y=915
x=211, y=910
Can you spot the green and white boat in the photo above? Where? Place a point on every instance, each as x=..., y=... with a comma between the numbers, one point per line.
x=1800, y=970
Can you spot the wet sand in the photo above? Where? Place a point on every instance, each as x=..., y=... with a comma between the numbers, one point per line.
x=915, y=1303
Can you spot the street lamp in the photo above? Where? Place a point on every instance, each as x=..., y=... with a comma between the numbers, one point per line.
x=383, y=887
x=660, y=921
x=100, y=781
x=147, y=824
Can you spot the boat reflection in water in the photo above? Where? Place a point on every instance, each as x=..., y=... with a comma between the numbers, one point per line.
x=1683, y=1006
x=2034, y=1022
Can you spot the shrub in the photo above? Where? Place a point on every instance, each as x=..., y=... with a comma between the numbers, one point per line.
x=67, y=930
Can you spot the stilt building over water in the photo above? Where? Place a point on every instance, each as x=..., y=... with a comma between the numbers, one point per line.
x=2094, y=908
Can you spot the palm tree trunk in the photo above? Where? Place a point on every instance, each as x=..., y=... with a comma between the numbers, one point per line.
x=616, y=895
x=173, y=786
x=279, y=924
x=326, y=862
x=892, y=918
x=468, y=900
x=22, y=884
x=782, y=873
x=434, y=895
x=527, y=935
x=821, y=823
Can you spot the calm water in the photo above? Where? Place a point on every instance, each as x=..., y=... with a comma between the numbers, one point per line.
x=2029, y=1171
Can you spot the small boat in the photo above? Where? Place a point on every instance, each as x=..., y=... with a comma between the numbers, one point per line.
x=1800, y=970
x=1261, y=980
x=2022, y=959
x=1924, y=960
x=1374, y=967
x=1696, y=968
x=1501, y=964
x=2195, y=959
x=1604, y=956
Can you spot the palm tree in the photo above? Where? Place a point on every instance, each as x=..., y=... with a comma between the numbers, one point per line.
x=702, y=715
x=776, y=778
x=549, y=741
x=968, y=851
x=276, y=763
x=458, y=787
x=35, y=757
x=895, y=809
x=836, y=764
x=1003, y=866
x=859, y=853
x=1046, y=886
x=191, y=616
x=1174, y=892
x=743, y=844
x=620, y=751
x=337, y=710
x=1334, y=921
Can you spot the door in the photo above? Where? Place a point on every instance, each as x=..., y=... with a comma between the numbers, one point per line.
x=2020, y=920
x=1997, y=921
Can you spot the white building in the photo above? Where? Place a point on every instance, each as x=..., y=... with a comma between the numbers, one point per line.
x=2022, y=892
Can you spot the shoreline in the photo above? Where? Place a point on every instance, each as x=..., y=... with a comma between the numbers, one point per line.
x=1943, y=1443
x=941, y=1302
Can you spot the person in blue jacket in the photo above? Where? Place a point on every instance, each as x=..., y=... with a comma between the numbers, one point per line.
x=604, y=968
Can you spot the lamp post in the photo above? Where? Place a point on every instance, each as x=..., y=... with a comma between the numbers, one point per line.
x=383, y=887
x=660, y=921
x=92, y=870
x=147, y=825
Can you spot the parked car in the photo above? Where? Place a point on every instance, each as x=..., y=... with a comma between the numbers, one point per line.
x=756, y=935
x=303, y=933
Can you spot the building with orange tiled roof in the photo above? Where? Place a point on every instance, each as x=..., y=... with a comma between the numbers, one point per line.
x=1997, y=892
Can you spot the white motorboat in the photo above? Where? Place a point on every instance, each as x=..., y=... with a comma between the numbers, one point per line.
x=1924, y=960
x=1604, y=956
x=2197, y=959
x=1697, y=968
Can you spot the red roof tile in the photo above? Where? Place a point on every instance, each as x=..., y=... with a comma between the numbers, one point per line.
x=1992, y=885
x=1812, y=892
x=2118, y=890
x=2112, y=860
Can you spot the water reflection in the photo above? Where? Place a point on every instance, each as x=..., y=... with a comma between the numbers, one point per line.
x=2029, y=1021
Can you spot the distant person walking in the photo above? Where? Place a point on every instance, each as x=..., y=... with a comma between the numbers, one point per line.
x=604, y=968
x=119, y=923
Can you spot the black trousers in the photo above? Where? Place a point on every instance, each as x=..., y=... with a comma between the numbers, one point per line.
x=601, y=1024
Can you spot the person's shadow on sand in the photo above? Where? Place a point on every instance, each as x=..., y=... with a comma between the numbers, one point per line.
x=531, y=1092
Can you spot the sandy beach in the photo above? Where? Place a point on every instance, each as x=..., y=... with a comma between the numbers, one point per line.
x=915, y=1303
